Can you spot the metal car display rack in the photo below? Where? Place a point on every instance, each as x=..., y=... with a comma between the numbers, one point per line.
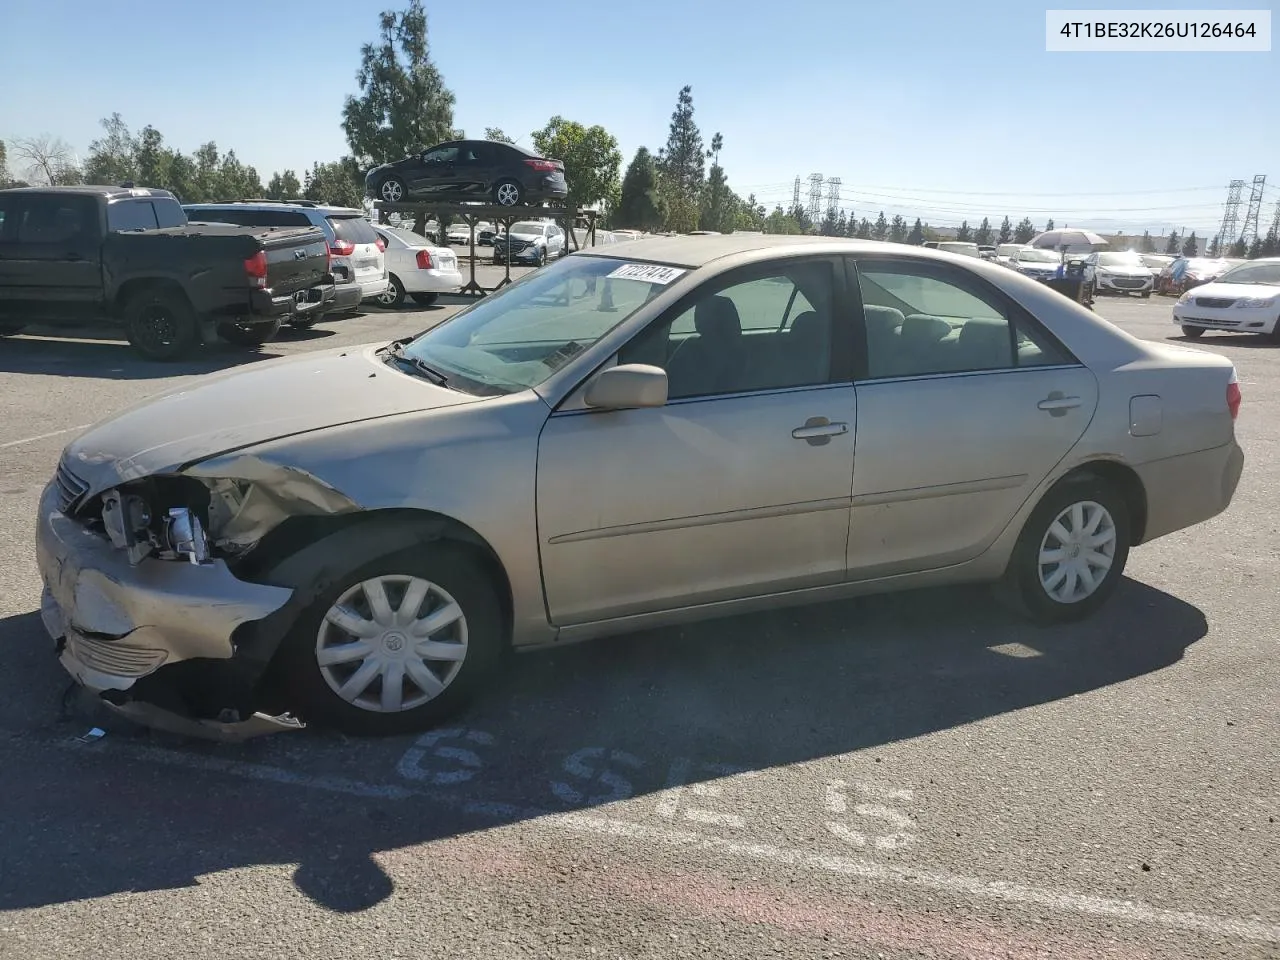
x=424, y=211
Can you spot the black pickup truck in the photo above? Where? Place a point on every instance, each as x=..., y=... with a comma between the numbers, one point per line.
x=125, y=256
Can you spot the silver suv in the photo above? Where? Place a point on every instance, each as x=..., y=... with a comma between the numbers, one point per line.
x=355, y=252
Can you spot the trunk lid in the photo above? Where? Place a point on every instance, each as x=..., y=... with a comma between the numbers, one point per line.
x=297, y=258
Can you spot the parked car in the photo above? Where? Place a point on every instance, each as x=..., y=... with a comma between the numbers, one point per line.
x=128, y=257
x=1122, y=273
x=462, y=170
x=960, y=247
x=417, y=268
x=530, y=241
x=676, y=444
x=355, y=259
x=460, y=233
x=1245, y=299
x=1005, y=252
x=987, y=251
x=1036, y=263
x=1187, y=272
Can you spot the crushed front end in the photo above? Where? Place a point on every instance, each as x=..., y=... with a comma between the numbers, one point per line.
x=142, y=603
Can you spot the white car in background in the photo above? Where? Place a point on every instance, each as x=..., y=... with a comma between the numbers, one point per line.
x=416, y=268
x=1005, y=252
x=1123, y=273
x=530, y=241
x=460, y=233
x=1245, y=299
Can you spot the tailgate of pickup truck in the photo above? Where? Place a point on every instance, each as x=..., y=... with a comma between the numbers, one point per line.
x=297, y=258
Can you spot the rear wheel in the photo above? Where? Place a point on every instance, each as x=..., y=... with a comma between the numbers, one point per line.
x=161, y=325
x=248, y=334
x=392, y=190
x=393, y=298
x=507, y=193
x=396, y=645
x=1071, y=553
x=1146, y=294
x=424, y=299
x=1192, y=333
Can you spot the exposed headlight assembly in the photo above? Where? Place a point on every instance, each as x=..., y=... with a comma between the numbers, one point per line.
x=185, y=537
x=133, y=525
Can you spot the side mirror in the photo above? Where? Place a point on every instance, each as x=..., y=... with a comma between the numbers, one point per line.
x=626, y=387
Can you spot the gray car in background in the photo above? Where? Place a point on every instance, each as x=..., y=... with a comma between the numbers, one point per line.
x=672, y=429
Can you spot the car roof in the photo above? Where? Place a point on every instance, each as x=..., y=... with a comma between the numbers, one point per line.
x=98, y=190
x=693, y=252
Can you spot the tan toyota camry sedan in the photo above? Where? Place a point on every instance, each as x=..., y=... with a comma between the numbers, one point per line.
x=640, y=434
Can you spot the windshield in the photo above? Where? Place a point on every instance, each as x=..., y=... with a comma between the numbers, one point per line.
x=1119, y=260
x=1153, y=261
x=1008, y=249
x=1268, y=273
x=407, y=237
x=1037, y=256
x=353, y=229
x=517, y=338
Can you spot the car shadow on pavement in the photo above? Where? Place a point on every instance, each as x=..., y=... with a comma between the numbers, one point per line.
x=104, y=359
x=754, y=692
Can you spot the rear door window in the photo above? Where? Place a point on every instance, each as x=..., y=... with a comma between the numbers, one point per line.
x=58, y=219
x=125, y=215
x=353, y=229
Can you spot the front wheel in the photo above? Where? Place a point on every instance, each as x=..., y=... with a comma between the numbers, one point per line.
x=1193, y=333
x=424, y=299
x=161, y=325
x=1071, y=553
x=393, y=298
x=392, y=190
x=396, y=645
x=248, y=334
x=507, y=193
x=1146, y=294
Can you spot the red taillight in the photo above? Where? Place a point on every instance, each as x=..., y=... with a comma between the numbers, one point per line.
x=1233, y=397
x=382, y=245
x=424, y=260
x=543, y=166
x=256, y=269
x=341, y=248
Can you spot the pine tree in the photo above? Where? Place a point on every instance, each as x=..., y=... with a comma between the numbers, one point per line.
x=842, y=225
x=1146, y=244
x=1171, y=248
x=829, y=222
x=1048, y=225
x=1006, y=232
x=1255, y=248
x=916, y=236
x=1024, y=231
x=982, y=236
x=853, y=226
x=864, y=228
x=682, y=162
x=1238, y=249
x=964, y=234
x=898, y=229
x=1192, y=246
x=1215, y=247
x=639, y=207
x=1271, y=245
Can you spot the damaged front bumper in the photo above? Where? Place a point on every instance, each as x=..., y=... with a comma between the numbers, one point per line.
x=148, y=638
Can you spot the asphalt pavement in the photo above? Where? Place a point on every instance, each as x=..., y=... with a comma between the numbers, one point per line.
x=920, y=775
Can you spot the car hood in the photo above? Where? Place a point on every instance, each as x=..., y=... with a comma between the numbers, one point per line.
x=216, y=414
x=1238, y=291
x=1036, y=267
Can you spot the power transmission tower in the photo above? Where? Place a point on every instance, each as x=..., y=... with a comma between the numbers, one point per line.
x=1231, y=214
x=1250, y=231
x=795, y=196
x=833, y=197
x=815, y=197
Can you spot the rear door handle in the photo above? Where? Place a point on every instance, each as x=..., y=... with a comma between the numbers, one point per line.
x=817, y=427
x=1056, y=401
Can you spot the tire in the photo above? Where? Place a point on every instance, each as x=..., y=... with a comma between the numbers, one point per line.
x=541, y=259
x=1193, y=333
x=249, y=334
x=161, y=325
x=508, y=193
x=1026, y=581
x=424, y=299
x=392, y=190
x=452, y=574
x=1274, y=335
x=1146, y=294
x=9, y=329
x=393, y=299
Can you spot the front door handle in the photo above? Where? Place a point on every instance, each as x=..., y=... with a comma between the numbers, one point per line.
x=819, y=430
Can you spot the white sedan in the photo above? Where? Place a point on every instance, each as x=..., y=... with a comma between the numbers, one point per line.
x=1245, y=299
x=417, y=268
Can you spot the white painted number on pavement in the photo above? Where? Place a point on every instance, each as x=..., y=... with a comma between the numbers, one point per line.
x=591, y=765
x=431, y=760
x=893, y=826
x=678, y=784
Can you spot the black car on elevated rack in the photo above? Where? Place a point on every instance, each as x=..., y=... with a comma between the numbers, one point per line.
x=462, y=170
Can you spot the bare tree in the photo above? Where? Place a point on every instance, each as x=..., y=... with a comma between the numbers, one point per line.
x=48, y=159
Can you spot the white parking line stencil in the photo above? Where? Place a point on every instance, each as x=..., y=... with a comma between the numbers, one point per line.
x=899, y=836
x=449, y=764
x=586, y=765
x=678, y=785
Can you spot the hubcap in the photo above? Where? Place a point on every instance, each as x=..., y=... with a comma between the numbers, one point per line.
x=388, y=297
x=392, y=643
x=508, y=194
x=1077, y=551
x=391, y=191
x=157, y=328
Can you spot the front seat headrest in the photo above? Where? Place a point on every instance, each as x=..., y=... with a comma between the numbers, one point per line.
x=717, y=319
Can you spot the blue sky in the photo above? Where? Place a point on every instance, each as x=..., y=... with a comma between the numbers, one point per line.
x=941, y=109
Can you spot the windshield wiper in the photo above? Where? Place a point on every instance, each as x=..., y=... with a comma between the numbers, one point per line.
x=396, y=351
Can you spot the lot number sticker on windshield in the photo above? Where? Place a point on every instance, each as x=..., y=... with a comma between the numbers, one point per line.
x=648, y=273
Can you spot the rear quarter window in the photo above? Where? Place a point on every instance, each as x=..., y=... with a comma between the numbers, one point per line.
x=125, y=215
x=353, y=229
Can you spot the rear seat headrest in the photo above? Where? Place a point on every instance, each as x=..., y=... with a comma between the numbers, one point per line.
x=921, y=326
